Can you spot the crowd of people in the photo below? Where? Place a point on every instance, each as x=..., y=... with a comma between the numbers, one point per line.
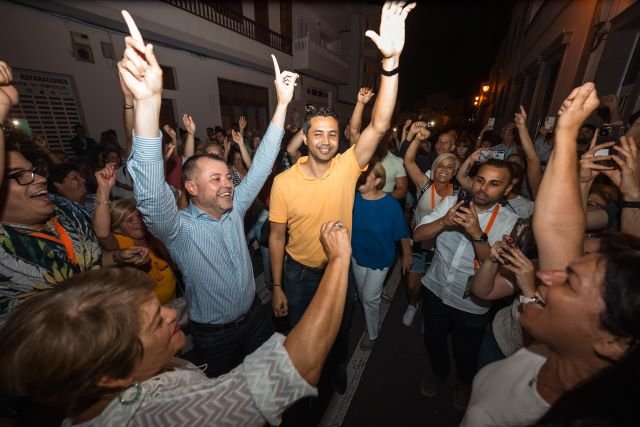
x=522, y=252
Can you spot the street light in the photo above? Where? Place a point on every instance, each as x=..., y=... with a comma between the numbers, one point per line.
x=485, y=88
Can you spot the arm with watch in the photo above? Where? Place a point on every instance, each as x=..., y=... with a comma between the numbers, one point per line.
x=390, y=42
x=490, y=283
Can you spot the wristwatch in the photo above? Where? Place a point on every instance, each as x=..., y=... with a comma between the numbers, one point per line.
x=527, y=300
x=482, y=239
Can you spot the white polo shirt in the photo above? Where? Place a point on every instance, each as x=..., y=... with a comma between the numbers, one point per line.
x=452, y=264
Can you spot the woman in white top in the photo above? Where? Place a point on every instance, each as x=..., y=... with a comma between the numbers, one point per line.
x=432, y=188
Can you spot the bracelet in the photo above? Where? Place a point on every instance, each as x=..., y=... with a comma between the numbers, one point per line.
x=128, y=107
x=107, y=202
x=635, y=205
x=390, y=73
x=275, y=285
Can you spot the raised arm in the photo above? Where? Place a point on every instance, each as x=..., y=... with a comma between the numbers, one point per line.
x=559, y=220
x=309, y=342
x=418, y=131
x=106, y=179
x=190, y=142
x=534, y=171
x=142, y=76
x=293, y=147
x=270, y=146
x=462, y=176
x=627, y=179
x=390, y=42
x=8, y=98
x=127, y=117
x=43, y=146
x=364, y=96
x=239, y=141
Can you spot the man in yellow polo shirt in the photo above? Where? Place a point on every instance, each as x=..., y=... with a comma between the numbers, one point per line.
x=321, y=186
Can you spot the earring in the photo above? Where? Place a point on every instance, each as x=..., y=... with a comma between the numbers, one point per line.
x=124, y=401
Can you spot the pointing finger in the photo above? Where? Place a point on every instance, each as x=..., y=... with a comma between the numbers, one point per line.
x=276, y=66
x=133, y=28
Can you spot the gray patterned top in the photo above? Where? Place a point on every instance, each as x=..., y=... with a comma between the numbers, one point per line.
x=255, y=392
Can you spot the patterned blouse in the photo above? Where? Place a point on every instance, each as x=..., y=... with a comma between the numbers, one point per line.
x=33, y=260
x=256, y=392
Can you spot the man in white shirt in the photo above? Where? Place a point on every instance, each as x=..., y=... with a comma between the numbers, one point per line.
x=463, y=241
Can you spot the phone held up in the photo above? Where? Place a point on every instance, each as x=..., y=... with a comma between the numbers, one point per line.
x=465, y=197
x=608, y=133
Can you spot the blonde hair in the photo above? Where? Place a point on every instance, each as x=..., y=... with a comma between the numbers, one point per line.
x=120, y=210
x=59, y=344
x=441, y=158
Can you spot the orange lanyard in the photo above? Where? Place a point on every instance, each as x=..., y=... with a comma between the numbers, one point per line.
x=433, y=194
x=64, y=239
x=487, y=230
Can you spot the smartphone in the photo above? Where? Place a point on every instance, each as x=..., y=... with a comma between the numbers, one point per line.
x=491, y=122
x=491, y=154
x=465, y=197
x=522, y=235
x=608, y=133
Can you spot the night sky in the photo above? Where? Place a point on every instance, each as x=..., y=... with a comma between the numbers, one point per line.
x=450, y=47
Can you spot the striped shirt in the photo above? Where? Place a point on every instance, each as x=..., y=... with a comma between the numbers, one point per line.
x=212, y=254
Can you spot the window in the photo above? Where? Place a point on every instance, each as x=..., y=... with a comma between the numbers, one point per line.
x=169, y=78
x=237, y=99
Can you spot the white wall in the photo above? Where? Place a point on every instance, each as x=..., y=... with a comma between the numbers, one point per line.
x=40, y=41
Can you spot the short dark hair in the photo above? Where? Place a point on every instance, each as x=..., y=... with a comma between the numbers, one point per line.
x=500, y=164
x=621, y=290
x=316, y=112
x=189, y=167
x=58, y=173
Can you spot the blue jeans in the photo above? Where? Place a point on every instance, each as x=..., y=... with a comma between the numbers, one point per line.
x=489, y=351
x=300, y=285
x=222, y=349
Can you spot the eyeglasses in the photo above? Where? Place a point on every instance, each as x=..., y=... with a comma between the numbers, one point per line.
x=26, y=177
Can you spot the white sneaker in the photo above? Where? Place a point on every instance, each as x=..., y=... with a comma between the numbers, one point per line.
x=409, y=315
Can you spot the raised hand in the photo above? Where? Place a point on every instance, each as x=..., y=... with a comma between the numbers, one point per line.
x=415, y=128
x=390, y=39
x=627, y=178
x=365, y=94
x=577, y=107
x=171, y=132
x=285, y=82
x=41, y=142
x=106, y=177
x=189, y=124
x=589, y=166
x=227, y=145
x=521, y=266
x=8, y=94
x=139, y=70
x=237, y=137
x=521, y=118
x=242, y=123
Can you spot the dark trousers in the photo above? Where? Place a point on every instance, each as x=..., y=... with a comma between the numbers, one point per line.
x=300, y=285
x=224, y=348
x=466, y=329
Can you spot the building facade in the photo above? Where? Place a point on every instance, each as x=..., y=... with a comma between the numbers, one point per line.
x=553, y=46
x=215, y=57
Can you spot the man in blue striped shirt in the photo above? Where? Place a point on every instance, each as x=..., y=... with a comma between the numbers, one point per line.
x=206, y=239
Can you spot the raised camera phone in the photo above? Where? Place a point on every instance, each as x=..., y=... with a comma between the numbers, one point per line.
x=608, y=133
x=465, y=197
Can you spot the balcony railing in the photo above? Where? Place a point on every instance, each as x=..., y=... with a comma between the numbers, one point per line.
x=316, y=60
x=231, y=20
